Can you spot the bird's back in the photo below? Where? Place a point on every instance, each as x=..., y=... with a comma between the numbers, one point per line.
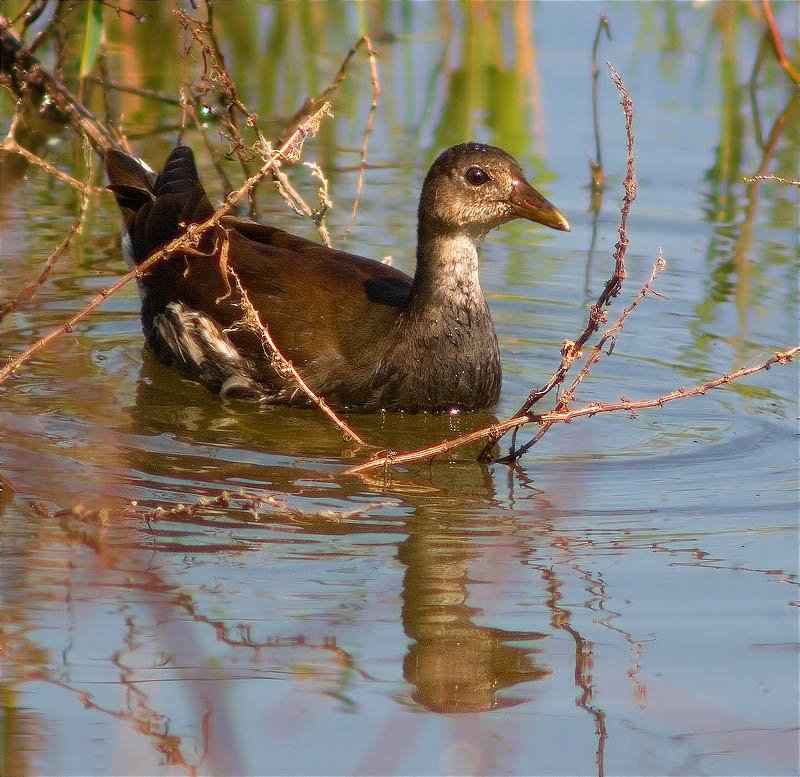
x=323, y=307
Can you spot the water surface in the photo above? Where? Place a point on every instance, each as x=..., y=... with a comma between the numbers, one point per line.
x=194, y=586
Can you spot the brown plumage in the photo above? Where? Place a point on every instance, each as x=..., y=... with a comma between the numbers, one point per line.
x=365, y=336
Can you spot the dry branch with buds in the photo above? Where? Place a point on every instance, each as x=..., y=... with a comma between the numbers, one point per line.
x=571, y=349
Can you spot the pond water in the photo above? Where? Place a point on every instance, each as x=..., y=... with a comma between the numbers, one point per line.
x=195, y=586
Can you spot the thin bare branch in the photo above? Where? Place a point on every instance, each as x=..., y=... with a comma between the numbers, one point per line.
x=30, y=12
x=217, y=79
x=150, y=94
x=124, y=11
x=11, y=146
x=624, y=405
x=252, y=321
x=610, y=336
x=312, y=105
x=296, y=202
x=189, y=104
x=571, y=350
x=376, y=93
x=393, y=458
x=30, y=288
x=325, y=202
x=775, y=178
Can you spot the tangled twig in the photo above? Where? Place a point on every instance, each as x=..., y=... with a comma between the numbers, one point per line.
x=187, y=241
x=609, y=336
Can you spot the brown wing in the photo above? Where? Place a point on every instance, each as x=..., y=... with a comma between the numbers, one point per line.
x=308, y=295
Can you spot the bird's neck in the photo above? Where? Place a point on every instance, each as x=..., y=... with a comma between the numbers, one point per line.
x=447, y=274
x=445, y=337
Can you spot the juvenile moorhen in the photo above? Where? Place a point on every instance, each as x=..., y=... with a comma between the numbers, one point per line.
x=364, y=336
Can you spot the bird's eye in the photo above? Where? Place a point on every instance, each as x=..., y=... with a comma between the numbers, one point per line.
x=476, y=176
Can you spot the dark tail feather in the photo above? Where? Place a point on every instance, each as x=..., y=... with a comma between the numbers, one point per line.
x=154, y=207
x=131, y=183
x=134, y=185
x=179, y=175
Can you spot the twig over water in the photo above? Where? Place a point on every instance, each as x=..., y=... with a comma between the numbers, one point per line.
x=30, y=80
x=554, y=417
x=610, y=336
x=571, y=350
x=30, y=288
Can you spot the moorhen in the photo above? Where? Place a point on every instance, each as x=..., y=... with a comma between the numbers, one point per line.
x=363, y=335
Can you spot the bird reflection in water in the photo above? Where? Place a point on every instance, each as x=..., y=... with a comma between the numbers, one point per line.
x=456, y=665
